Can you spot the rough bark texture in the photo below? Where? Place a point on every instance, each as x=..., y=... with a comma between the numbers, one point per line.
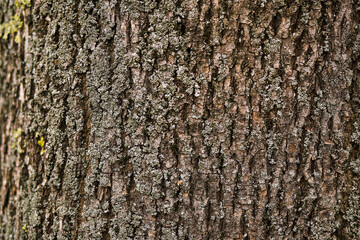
x=181, y=119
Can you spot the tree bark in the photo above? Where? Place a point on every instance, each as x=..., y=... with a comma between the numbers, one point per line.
x=181, y=119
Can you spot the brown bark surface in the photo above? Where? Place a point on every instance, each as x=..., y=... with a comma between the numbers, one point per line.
x=181, y=119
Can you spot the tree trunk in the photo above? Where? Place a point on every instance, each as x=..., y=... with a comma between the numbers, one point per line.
x=181, y=119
